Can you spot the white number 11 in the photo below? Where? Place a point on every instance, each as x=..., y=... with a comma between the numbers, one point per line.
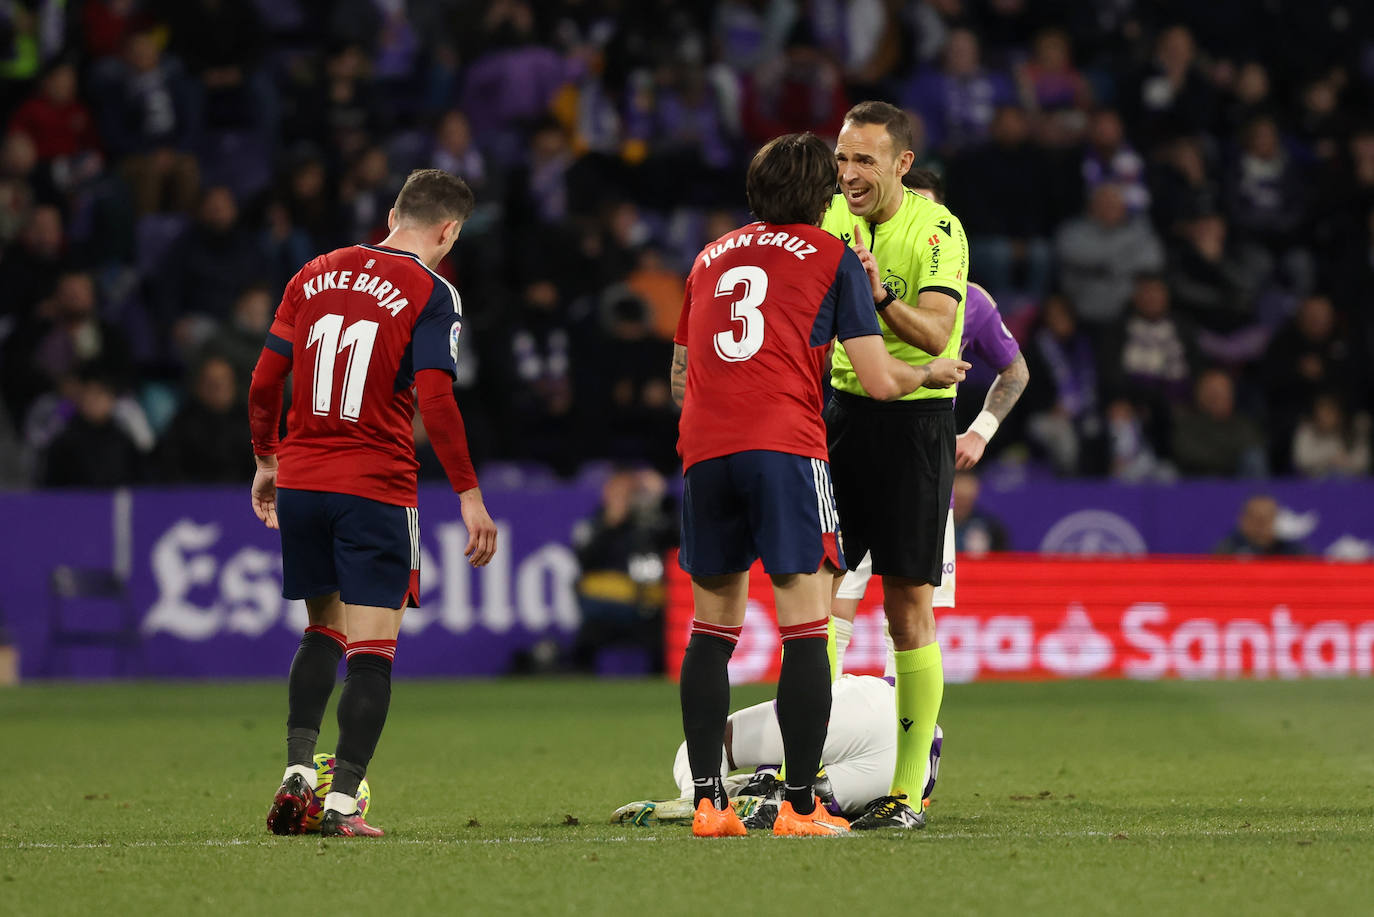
x=358, y=338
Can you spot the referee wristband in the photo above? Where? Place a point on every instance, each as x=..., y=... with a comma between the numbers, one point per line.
x=985, y=425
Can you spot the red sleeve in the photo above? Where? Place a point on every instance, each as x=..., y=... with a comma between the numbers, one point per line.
x=681, y=336
x=264, y=400
x=444, y=424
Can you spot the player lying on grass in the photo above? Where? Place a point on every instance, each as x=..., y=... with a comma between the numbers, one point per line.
x=860, y=749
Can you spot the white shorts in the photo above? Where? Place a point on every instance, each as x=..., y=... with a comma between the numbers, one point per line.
x=855, y=582
x=860, y=746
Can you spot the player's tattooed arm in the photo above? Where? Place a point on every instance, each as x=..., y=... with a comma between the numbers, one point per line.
x=678, y=378
x=1007, y=388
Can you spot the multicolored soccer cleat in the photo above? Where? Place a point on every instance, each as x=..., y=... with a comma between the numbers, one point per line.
x=287, y=815
x=889, y=812
x=336, y=824
x=712, y=822
x=654, y=812
x=818, y=823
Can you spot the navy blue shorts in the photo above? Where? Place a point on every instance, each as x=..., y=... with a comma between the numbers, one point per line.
x=754, y=504
x=368, y=552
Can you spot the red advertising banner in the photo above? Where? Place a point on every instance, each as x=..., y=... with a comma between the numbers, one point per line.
x=1030, y=617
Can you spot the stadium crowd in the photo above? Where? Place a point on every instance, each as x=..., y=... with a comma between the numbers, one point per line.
x=1181, y=236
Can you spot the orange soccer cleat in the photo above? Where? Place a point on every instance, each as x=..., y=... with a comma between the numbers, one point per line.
x=819, y=823
x=712, y=822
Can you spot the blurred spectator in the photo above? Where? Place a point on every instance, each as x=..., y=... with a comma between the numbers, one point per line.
x=1309, y=354
x=621, y=549
x=61, y=126
x=1065, y=419
x=1101, y=253
x=204, y=443
x=106, y=24
x=283, y=246
x=1109, y=159
x=455, y=152
x=1265, y=192
x=801, y=90
x=146, y=120
x=66, y=332
x=1149, y=357
x=340, y=114
x=93, y=451
x=637, y=414
x=958, y=101
x=976, y=531
x=311, y=204
x=210, y=264
x=1250, y=97
x=1211, y=439
x=240, y=340
x=1215, y=279
x=1049, y=80
x=367, y=193
x=19, y=189
x=221, y=43
x=1131, y=457
x=1256, y=531
x=1182, y=187
x=1006, y=215
x=512, y=81
x=1171, y=95
x=660, y=288
x=539, y=360
x=29, y=270
x=1330, y=442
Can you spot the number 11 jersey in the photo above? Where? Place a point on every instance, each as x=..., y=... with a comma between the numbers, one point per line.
x=761, y=306
x=357, y=324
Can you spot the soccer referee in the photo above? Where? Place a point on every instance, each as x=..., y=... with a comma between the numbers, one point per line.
x=893, y=462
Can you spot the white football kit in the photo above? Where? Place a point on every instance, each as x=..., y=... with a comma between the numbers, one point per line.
x=860, y=746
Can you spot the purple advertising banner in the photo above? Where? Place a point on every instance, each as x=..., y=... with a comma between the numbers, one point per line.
x=204, y=583
x=203, y=594
x=1333, y=519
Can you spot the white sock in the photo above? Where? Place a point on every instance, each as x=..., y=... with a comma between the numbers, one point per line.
x=341, y=803
x=890, y=669
x=844, y=631
x=305, y=770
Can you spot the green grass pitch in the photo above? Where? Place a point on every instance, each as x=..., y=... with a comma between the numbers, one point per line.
x=1068, y=798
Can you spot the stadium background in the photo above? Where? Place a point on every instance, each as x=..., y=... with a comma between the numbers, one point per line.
x=1173, y=203
x=1154, y=190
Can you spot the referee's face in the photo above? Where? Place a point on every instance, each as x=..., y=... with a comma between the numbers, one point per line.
x=869, y=170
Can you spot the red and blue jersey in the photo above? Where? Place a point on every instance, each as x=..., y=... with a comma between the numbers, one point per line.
x=357, y=324
x=762, y=304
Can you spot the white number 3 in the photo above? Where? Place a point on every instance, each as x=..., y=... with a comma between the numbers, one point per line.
x=744, y=310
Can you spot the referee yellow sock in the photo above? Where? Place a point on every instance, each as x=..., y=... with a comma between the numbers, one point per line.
x=920, y=689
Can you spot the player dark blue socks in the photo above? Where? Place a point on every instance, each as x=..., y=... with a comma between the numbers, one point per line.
x=705, y=692
x=313, y=672
x=363, y=707
x=803, y=708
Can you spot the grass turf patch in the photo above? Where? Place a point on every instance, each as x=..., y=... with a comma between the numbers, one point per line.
x=1066, y=798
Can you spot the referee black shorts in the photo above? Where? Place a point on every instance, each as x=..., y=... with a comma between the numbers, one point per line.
x=892, y=465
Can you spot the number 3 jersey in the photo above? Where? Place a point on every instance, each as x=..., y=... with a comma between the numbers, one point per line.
x=357, y=324
x=761, y=306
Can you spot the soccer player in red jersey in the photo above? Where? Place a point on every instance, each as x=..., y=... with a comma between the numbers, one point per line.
x=362, y=328
x=762, y=305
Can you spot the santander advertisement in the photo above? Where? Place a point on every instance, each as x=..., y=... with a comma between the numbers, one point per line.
x=1020, y=617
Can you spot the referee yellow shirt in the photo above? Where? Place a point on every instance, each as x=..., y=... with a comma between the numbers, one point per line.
x=923, y=247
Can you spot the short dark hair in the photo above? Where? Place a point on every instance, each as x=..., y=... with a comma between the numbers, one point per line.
x=432, y=196
x=791, y=179
x=926, y=178
x=897, y=122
